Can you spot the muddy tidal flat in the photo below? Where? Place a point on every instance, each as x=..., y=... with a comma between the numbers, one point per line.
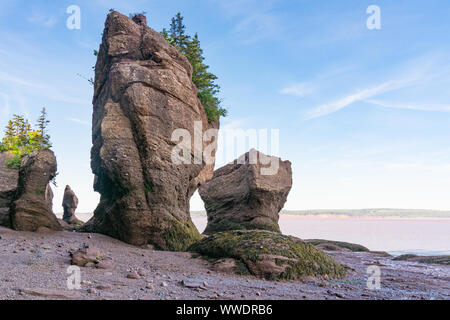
x=34, y=266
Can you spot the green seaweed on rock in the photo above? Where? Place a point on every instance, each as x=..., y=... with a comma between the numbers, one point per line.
x=179, y=236
x=295, y=258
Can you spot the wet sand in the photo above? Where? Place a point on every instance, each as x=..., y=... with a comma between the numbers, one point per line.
x=34, y=266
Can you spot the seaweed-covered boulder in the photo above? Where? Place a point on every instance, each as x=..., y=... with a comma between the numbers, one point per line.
x=445, y=260
x=143, y=93
x=70, y=204
x=330, y=245
x=247, y=194
x=269, y=255
x=8, y=186
x=32, y=207
x=87, y=255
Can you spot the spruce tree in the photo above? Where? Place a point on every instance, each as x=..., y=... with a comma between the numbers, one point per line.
x=20, y=139
x=8, y=139
x=204, y=80
x=42, y=123
x=20, y=128
x=178, y=33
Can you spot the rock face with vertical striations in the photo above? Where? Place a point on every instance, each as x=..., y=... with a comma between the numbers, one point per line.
x=247, y=194
x=70, y=204
x=143, y=92
x=32, y=207
x=8, y=187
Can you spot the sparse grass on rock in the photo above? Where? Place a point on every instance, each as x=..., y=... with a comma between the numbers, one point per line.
x=269, y=255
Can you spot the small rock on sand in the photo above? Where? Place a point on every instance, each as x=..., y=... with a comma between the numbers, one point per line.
x=51, y=293
x=133, y=275
x=106, y=263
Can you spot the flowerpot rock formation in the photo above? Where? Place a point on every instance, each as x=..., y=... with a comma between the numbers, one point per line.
x=143, y=93
x=246, y=194
x=31, y=209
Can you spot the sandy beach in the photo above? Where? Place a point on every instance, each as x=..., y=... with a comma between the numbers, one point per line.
x=34, y=266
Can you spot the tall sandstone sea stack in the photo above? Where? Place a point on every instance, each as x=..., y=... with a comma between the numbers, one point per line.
x=143, y=92
x=70, y=204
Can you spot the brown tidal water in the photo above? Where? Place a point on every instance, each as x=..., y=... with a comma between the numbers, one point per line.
x=425, y=236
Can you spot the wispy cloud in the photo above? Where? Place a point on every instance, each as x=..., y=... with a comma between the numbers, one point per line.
x=5, y=105
x=363, y=94
x=417, y=72
x=42, y=19
x=411, y=106
x=243, y=7
x=300, y=89
x=257, y=27
x=305, y=88
x=233, y=124
x=76, y=120
x=413, y=165
x=419, y=166
x=47, y=91
x=253, y=20
x=13, y=101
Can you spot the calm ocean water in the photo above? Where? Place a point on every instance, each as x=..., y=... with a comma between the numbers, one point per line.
x=396, y=236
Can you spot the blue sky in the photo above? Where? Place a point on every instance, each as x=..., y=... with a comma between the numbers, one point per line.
x=363, y=114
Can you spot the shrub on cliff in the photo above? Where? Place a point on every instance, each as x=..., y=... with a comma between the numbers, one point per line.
x=21, y=140
x=202, y=78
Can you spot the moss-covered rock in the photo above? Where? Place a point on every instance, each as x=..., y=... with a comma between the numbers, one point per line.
x=269, y=255
x=87, y=255
x=179, y=236
x=445, y=260
x=329, y=245
x=227, y=225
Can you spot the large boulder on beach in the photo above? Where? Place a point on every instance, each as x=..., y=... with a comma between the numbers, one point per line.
x=143, y=93
x=247, y=194
x=86, y=255
x=70, y=204
x=32, y=207
x=267, y=255
x=8, y=186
